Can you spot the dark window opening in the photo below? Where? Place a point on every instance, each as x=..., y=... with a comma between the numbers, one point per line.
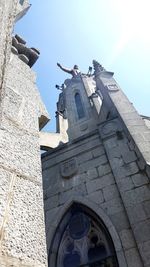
x=79, y=106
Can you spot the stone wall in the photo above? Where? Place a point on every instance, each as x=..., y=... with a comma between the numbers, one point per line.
x=22, y=232
x=106, y=170
x=95, y=185
x=7, y=16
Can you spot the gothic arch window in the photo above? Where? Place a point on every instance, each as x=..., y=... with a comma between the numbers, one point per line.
x=82, y=240
x=79, y=106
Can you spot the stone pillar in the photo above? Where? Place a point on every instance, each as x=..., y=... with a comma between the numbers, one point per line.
x=7, y=17
x=126, y=141
x=22, y=233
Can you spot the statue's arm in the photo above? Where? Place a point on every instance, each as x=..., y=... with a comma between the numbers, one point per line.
x=64, y=69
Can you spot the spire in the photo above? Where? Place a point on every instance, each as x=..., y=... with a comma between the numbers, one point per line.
x=97, y=67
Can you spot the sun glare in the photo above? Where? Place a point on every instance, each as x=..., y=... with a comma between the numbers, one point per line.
x=134, y=22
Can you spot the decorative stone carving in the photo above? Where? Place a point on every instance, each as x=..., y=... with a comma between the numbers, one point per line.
x=84, y=127
x=20, y=39
x=69, y=168
x=24, y=58
x=97, y=67
x=113, y=87
x=27, y=55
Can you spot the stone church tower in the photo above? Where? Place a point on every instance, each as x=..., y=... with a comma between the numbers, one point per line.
x=96, y=177
x=95, y=173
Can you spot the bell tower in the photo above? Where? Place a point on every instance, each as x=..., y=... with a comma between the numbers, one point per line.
x=79, y=105
x=96, y=184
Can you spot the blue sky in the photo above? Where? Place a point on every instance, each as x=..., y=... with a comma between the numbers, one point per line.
x=114, y=32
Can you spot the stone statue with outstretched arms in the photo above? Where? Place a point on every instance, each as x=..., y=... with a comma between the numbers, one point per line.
x=74, y=72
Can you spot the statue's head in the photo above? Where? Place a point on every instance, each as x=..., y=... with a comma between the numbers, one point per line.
x=76, y=67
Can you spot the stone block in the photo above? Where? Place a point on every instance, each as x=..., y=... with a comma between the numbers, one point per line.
x=51, y=218
x=133, y=258
x=5, y=179
x=97, y=197
x=114, y=152
x=112, y=206
x=145, y=252
x=104, y=169
x=99, y=183
x=110, y=192
x=136, y=213
x=12, y=104
x=141, y=163
x=136, y=195
x=98, y=151
x=92, y=173
x=79, y=190
x=51, y=202
x=140, y=179
x=21, y=147
x=116, y=163
x=125, y=184
x=85, y=157
x=129, y=156
x=77, y=149
x=83, y=177
x=51, y=190
x=68, y=184
x=127, y=239
x=109, y=128
x=120, y=221
x=93, y=163
x=142, y=231
x=124, y=170
x=65, y=196
x=146, y=206
x=25, y=227
x=110, y=143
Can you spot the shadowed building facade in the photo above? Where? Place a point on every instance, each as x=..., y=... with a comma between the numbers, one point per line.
x=96, y=181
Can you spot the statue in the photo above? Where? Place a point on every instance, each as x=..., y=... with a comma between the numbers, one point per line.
x=74, y=72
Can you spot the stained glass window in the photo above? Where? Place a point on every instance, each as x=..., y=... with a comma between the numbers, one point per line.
x=82, y=242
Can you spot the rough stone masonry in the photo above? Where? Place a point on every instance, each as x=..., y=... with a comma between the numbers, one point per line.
x=22, y=229
x=104, y=167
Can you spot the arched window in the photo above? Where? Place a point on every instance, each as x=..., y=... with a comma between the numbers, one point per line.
x=82, y=240
x=79, y=106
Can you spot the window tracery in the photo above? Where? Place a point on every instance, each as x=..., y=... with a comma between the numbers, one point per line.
x=85, y=242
